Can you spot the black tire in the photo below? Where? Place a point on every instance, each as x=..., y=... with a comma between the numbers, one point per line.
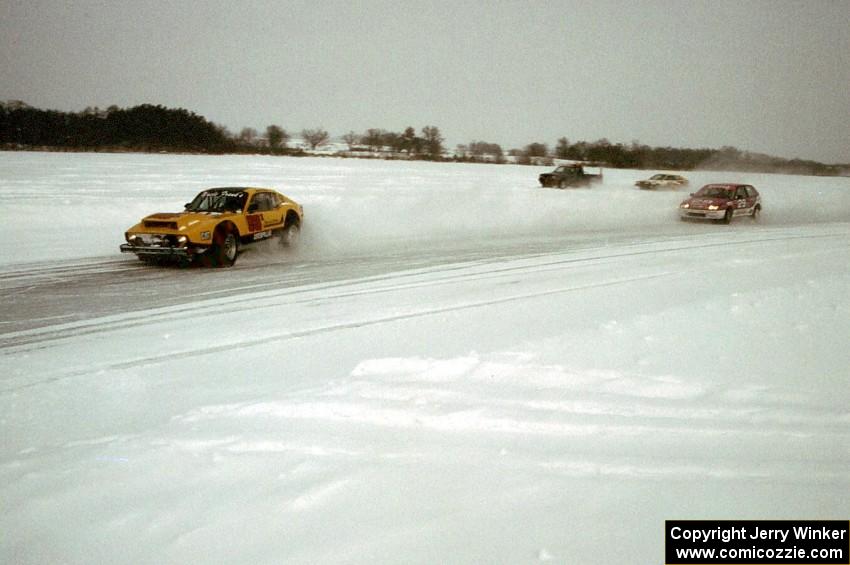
x=727, y=217
x=225, y=248
x=290, y=235
x=756, y=213
x=562, y=184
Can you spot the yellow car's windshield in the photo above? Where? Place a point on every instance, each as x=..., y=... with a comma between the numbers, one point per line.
x=218, y=201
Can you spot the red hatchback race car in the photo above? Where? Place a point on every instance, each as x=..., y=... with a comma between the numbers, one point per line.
x=721, y=202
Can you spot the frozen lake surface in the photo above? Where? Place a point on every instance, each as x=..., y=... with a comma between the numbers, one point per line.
x=455, y=366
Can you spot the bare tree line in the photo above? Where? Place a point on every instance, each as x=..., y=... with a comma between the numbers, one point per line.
x=428, y=144
x=156, y=128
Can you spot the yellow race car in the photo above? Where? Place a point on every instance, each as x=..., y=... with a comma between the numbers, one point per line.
x=215, y=225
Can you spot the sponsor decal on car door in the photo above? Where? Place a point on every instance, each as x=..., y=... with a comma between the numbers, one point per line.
x=741, y=202
x=752, y=199
x=268, y=215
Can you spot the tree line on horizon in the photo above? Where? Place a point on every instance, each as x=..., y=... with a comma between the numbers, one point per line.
x=428, y=145
x=156, y=128
x=145, y=128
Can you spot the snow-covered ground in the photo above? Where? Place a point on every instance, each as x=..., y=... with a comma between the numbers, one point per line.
x=455, y=366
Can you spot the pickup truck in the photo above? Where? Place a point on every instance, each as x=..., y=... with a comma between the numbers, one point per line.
x=569, y=175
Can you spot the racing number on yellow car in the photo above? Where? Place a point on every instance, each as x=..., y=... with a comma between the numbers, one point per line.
x=255, y=222
x=268, y=214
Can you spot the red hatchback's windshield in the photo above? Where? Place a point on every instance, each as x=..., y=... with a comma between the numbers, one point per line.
x=714, y=191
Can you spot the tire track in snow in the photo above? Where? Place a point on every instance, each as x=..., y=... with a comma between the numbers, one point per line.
x=247, y=302
x=283, y=336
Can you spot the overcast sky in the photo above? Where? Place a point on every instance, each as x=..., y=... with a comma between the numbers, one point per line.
x=772, y=77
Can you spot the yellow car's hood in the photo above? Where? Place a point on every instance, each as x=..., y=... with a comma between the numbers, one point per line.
x=182, y=220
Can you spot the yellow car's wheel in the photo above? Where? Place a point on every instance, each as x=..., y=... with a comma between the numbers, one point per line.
x=290, y=235
x=225, y=248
